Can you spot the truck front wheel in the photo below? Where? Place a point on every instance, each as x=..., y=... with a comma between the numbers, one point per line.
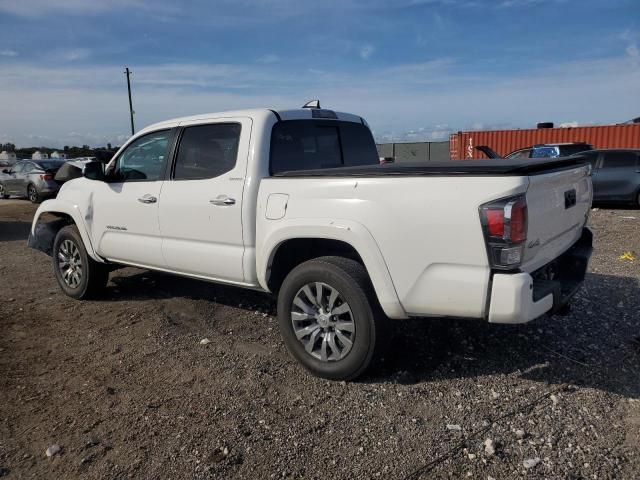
x=330, y=318
x=78, y=275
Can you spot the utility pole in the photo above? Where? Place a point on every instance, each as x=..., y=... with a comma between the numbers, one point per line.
x=128, y=72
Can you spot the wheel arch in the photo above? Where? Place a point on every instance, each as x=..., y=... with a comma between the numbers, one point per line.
x=50, y=218
x=287, y=246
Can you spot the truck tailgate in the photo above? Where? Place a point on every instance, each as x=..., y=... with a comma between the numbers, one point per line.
x=558, y=205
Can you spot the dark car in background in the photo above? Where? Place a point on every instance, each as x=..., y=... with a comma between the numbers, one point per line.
x=33, y=179
x=551, y=150
x=615, y=175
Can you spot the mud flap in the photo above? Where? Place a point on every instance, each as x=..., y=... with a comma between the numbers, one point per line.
x=42, y=237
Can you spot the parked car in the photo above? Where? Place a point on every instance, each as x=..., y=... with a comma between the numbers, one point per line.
x=550, y=150
x=32, y=179
x=295, y=202
x=616, y=175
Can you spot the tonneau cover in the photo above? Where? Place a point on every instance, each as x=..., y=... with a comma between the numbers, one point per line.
x=529, y=166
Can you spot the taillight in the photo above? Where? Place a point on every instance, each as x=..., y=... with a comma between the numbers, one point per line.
x=505, y=229
x=46, y=176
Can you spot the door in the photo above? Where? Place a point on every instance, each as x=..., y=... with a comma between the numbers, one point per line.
x=14, y=180
x=615, y=180
x=9, y=179
x=125, y=207
x=201, y=201
x=22, y=178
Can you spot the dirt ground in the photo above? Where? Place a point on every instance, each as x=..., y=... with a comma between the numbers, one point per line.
x=125, y=388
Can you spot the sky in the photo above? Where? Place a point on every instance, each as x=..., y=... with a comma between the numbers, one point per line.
x=415, y=69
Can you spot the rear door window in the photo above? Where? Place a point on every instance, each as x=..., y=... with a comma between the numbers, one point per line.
x=315, y=144
x=207, y=151
x=619, y=159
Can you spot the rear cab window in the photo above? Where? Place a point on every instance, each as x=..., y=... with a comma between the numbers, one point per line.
x=318, y=144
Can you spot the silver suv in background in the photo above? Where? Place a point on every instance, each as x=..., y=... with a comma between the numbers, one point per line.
x=32, y=179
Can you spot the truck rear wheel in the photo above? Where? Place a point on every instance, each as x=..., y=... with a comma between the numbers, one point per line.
x=330, y=318
x=78, y=275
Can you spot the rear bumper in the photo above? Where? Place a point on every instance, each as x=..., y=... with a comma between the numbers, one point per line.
x=522, y=297
x=48, y=188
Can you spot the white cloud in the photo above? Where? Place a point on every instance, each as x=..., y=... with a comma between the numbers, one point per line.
x=40, y=8
x=366, y=51
x=269, y=58
x=7, y=52
x=73, y=54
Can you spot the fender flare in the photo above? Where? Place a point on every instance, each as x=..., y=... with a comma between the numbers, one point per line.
x=57, y=206
x=347, y=231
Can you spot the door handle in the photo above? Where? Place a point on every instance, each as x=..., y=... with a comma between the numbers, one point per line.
x=223, y=201
x=147, y=199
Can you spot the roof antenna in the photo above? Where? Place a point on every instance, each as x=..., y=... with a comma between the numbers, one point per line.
x=312, y=104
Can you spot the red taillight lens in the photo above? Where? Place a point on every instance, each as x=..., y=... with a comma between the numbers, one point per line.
x=518, y=222
x=495, y=222
x=46, y=176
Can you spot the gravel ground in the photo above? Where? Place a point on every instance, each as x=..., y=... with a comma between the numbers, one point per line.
x=125, y=389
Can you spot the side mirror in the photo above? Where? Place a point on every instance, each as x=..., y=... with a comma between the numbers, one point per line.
x=6, y=171
x=94, y=171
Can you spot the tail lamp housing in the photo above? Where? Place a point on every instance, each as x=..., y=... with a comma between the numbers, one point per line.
x=504, y=223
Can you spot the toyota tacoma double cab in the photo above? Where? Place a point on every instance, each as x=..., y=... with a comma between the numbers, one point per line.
x=296, y=203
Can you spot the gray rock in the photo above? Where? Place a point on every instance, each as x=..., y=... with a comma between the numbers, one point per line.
x=453, y=427
x=53, y=450
x=489, y=447
x=205, y=341
x=530, y=462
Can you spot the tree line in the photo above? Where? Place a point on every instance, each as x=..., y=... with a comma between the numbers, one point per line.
x=103, y=154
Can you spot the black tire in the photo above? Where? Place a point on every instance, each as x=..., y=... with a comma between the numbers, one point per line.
x=93, y=275
x=352, y=282
x=32, y=194
x=2, y=192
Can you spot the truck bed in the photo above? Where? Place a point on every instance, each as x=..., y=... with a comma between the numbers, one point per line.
x=492, y=167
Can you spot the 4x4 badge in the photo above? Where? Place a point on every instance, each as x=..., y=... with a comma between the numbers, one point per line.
x=535, y=243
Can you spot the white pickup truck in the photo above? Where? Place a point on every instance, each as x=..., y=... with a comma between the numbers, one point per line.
x=296, y=203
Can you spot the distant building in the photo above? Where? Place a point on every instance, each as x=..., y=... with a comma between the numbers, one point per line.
x=57, y=154
x=8, y=156
x=38, y=155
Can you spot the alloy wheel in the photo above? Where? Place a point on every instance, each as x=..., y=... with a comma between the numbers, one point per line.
x=70, y=263
x=323, y=322
x=33, y=195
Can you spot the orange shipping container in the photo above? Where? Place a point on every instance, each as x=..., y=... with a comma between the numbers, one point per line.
x=462, y=144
